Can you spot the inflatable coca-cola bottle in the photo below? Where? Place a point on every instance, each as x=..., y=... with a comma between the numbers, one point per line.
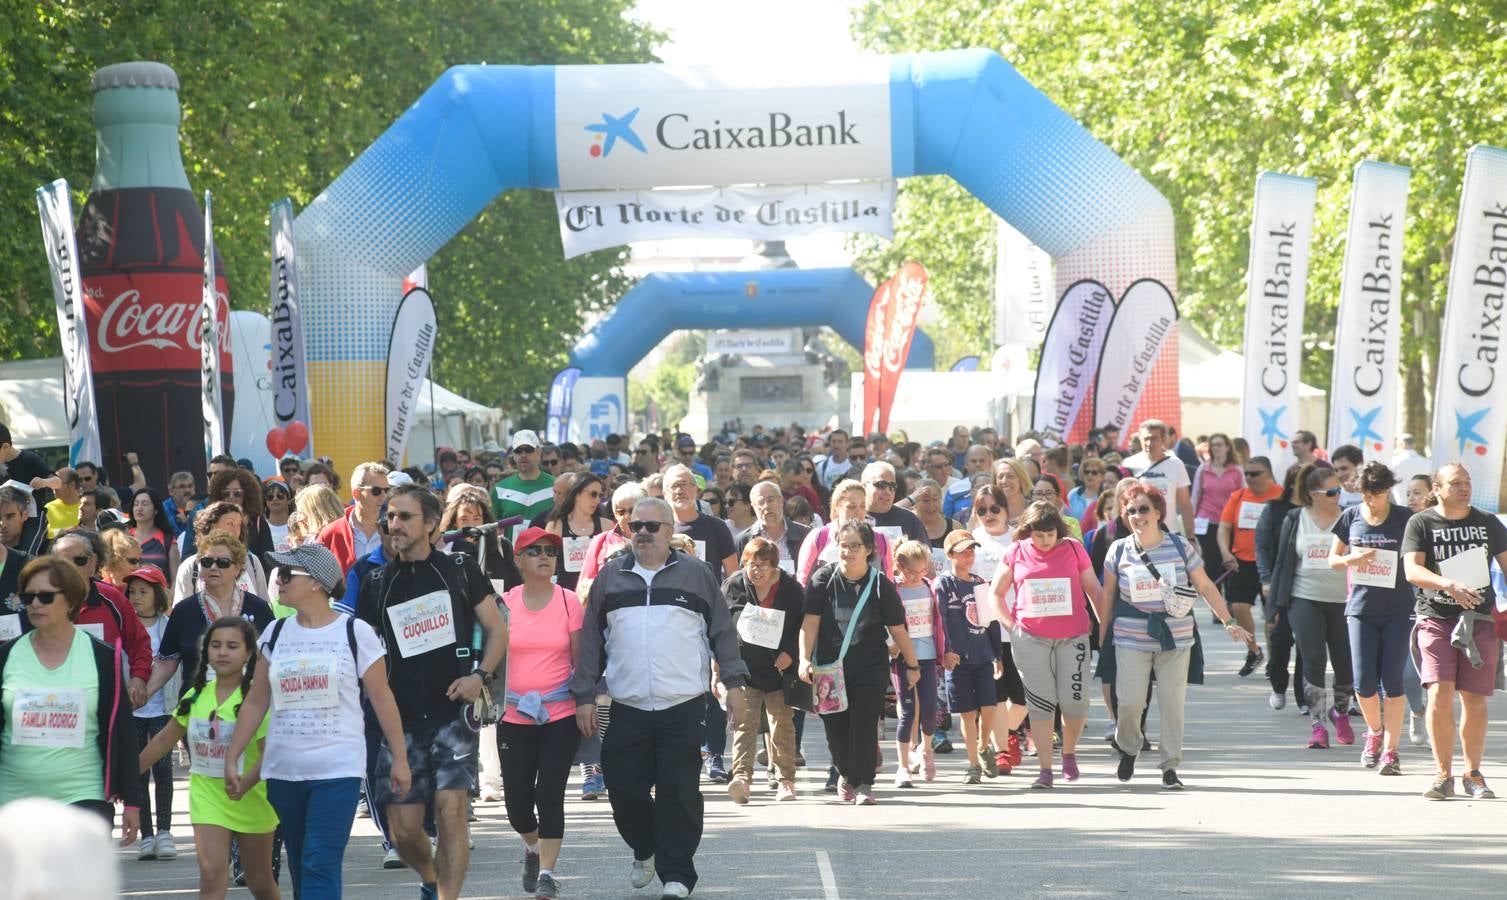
x=141, y=250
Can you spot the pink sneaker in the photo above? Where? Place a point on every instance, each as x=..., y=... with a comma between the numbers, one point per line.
x=1319, y=740
x=1371, y=750
x=846, y=794
x=1342, y=730
x=929, y=768
x=866, y=796
x=1070, y=767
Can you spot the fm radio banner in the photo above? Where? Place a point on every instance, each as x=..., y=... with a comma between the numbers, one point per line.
x=1276, y=288
x=1368, y=335
x=592, y=220
x=1470, y=422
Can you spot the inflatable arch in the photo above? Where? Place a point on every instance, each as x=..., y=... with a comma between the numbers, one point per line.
x=481, y=130
x=663, y=302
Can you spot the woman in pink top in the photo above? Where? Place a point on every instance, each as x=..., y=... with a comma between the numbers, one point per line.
x=1213, y=484
x=538, y=736
x=1047, y=619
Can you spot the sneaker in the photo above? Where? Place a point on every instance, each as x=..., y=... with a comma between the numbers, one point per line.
x=800, y=760
x=594, y=786
x=1371, y=749
x=1145, y=744
x=1417, y=734
x=391, y=859
x=762, y=757
x=1252, y=660
x=786, y=791
x=1390, y=764
x=1342, y=730
x=1276, y=700
x=1110, y=734
x=1319, y=738
x=429, y=892
x=772, y=779
x=146, y=848
x=992, y=761
x=1126, y=768
x=642, y=873
x=1056, y=740
x=831, y=785
x=716, y=772
x=940, y=743
x=846, y=794
x=1013, y=749
x=530, y=871
x=471, y=815
x=1170, y=781
x=929, y=769
x=674, y=889
x=1002, y=763
x=547, y=889
x=1070, y=767
x=915, y=765
x=866, y=796
x=1030, y=747
x=362, y=810
x=1474, y=785
x=1443, y=788
x=902, y=779
x=1302, y=709
x=1043, y=781
x=166, y=847
x=492, y=795
x=737, y=789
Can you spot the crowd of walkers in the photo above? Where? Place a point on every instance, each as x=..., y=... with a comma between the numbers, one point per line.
x=406, y=643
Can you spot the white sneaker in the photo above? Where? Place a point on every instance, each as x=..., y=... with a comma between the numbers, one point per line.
x=166, y=847
x=1276, y=700
x=146, y=848
x=643, y=872
x=902, y=778
x=674, y=889
x=1109, y=735
x=391, y=859
x=1416, y=732
x=492, y=795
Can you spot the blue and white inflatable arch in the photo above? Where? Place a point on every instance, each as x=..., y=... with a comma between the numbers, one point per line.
x=481, y=130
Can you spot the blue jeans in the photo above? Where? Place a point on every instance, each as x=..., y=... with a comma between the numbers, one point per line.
x=316, y=820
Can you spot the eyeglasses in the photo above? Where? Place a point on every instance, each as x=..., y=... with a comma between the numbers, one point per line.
x=375, y=490
x=1254, y=473
x=46, y=598
x=285, y=574
x=1331, y=492
x=399, y=516
x=883, y=485
x=211, y=562
x=651, y=527
x=939, y=464
x=755, y=565
x=1143, y=510
x=540, y=550
x=133, y=561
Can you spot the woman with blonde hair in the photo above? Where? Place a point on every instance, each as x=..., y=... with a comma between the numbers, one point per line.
x=125, y=556
x=315, y=507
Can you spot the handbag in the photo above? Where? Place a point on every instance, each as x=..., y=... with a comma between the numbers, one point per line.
x=828, y=687
x=1177, y=602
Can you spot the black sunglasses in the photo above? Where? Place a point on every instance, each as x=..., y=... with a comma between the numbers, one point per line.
x=540, y=550
x=212, y=562
x=399, y=515
x=549, y=463
x=651, y=527
x=1331, y=492
x=285, y=574
x=1254, y=473
x=985, y=510
x=883, y=485
x=376, y=490
x=1143, y=510
x=46, y=598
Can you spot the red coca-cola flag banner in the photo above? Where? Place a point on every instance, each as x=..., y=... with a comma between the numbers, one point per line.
x=874, y=330
x=907, y=291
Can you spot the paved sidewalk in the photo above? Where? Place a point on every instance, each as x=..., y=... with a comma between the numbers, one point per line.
x=1262, y=817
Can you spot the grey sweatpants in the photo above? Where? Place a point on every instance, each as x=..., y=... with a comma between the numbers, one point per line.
x=1055, y=674
x=1132, y=676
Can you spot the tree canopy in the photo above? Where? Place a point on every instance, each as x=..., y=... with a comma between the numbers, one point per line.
x=1200, y=96
x=278, y=98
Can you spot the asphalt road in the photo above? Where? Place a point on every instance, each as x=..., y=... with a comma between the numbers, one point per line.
x=1261, y=817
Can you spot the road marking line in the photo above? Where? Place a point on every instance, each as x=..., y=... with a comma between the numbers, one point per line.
x=829, y=881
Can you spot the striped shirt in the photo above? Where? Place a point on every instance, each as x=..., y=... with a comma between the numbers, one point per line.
x=1138, y=588
x=516, y=497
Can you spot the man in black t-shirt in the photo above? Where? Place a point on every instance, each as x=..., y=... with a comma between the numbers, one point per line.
x=424, y=605
x=896, y=524
x=1446, y=552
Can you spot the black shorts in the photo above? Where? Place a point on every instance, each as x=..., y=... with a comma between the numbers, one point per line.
x=1009, y=686
x=1243, y=585
x=441, y=757
x=970, y=688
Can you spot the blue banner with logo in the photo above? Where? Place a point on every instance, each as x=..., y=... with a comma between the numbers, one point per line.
x=557, y=425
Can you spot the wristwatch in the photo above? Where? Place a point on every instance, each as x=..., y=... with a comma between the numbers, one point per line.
x=486, y=677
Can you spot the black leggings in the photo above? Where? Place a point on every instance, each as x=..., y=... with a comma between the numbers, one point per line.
x=536, y=761
x=161, y=774
x=853, y=735
x=1324, y=637
x=1009, y=686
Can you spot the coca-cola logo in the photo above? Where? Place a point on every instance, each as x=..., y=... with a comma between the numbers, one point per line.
x=127, y=324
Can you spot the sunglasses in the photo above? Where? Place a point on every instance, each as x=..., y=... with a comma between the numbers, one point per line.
x=524, y=451
x=1331, y=492
x=712, y=501
x=46, y=598
x=857, y=457
x=1142, y=510
x=986, y=510
x=540, y=550
x=651, y=527
x=883, y=485
x=400, y=516
x=549, y=463
x=643, y=451
x=285, y=574
x=216, y=562
x=375, y=490
x=1088, y=472
x=1254, y=473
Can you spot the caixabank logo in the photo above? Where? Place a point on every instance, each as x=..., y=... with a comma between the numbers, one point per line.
x=678, y=131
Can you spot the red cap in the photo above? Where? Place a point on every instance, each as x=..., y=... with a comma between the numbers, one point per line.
x=534, y=535
x=149, y=573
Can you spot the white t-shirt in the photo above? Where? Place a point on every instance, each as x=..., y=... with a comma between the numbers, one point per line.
x=314, y=741
x=1166, y=475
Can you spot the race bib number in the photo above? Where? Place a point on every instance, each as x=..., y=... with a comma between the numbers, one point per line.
x=575, y=553
x=1044, y=597
x=787, y=566
x=48, y=719
x=95, y=630
x=1314, y=549
x=701, y=550
x=1146, y=588
x=10, y=628
x=1200, y=525
x=892, y=533
x=918, y=622
x=305, y=682
x=207, y=743
x=423, y=624
x=1378, y=571
x=1250, y=515
x=939, y=561
x=761, y=627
